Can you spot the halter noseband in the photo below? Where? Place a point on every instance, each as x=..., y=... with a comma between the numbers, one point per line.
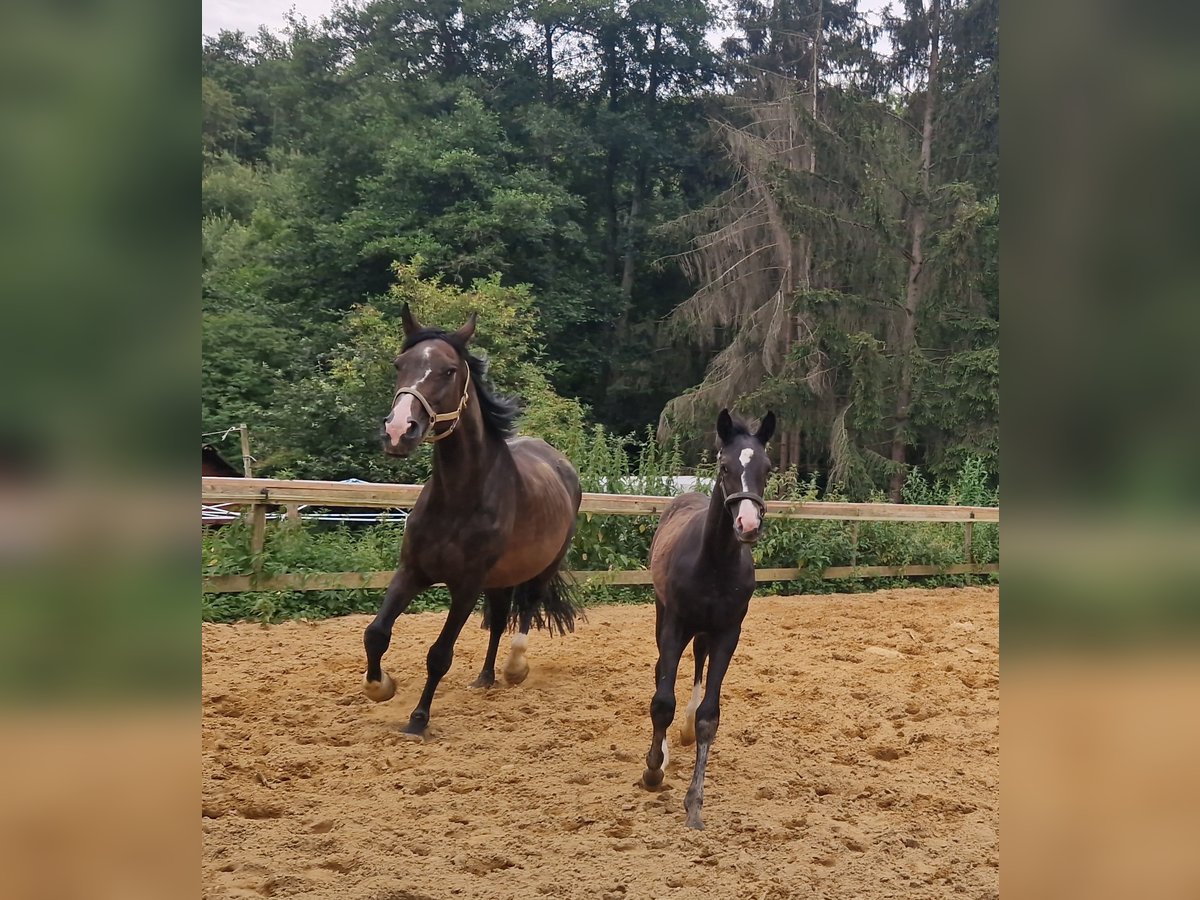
x=746, y=495
x=432, y=437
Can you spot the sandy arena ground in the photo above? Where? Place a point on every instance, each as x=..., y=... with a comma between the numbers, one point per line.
x=858, y=757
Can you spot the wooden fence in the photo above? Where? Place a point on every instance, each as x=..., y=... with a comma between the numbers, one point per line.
x=260, y=493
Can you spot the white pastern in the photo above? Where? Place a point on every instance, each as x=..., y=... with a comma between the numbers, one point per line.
x=666, y=753
x=519, y=643
x=694, y=703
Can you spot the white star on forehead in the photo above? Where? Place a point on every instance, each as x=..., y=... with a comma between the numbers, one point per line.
x=745, y=457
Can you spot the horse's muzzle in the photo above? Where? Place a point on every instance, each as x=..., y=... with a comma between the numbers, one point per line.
x=406, y=444
x=749, y=536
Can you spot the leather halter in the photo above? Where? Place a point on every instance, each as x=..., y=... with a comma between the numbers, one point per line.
x=432, y=437
x=746, y=495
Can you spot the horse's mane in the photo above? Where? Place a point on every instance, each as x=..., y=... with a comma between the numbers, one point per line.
x=500, y=413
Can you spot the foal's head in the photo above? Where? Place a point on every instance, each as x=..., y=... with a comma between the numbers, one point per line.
x=432, y=385
x=743, y=470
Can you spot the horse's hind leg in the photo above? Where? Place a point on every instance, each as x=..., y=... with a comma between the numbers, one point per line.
x=499, y=602
x=687, y=731
x=671, y=642
x=400, y=591
x=516, y=667
x=708, y=716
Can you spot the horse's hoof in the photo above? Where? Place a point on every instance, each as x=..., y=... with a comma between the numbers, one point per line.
x=652, y=778
x=484, y=682
x=687, y=734
x=516, y=675
x=379, y=691
x=694, y=822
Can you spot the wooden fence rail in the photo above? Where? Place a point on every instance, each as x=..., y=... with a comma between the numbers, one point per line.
x=259, y=493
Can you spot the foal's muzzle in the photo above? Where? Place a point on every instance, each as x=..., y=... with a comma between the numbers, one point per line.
x=747, y=528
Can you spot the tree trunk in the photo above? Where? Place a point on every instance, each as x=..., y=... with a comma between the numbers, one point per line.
x=641, y=190
x=549, y=34
x=914, y=290
x=613, y=158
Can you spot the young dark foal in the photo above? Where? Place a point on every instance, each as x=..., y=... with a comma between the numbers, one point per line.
x=703, y=578
x=496, y=516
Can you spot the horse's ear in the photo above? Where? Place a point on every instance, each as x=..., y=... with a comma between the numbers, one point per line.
x=411, y=325
x=766, y=429
x=464, y=334
x=725, y=426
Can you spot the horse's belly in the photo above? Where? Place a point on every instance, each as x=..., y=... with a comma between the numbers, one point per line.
x=522, y=561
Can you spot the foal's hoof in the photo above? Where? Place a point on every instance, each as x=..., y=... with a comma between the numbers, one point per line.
x=380, y=691
x=652, y=778
x=484, y=681
x=415, y=729
x=516, y=674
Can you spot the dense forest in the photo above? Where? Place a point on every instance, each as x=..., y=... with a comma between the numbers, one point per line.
x=658, y=207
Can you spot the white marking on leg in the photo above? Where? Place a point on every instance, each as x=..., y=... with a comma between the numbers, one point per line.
x=694, y=703
x=666, y=753
x=519, y=643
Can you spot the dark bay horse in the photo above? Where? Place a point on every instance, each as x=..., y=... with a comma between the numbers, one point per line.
x=496, y=516
x=703, y=575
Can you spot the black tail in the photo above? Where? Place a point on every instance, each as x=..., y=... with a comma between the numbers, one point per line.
x=546, y=605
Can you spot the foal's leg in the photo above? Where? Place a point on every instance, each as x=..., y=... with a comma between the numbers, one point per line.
x=499, y=602
x=441, y=653
x=722, y=645
x=662, y=706
x=687, y=731
x=377, y=684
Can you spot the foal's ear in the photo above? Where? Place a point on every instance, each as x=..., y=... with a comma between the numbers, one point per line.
x=766, y=429
x=725, y=426
x=464, y=334
x=411, y=325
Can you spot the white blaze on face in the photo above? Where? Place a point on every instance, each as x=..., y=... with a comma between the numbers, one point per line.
x=406, y=407
x=747, y=513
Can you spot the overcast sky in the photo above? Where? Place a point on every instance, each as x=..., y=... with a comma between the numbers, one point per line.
x=247, y=15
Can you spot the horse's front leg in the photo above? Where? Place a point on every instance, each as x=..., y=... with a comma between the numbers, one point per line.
x=405, y=585
x=662, y=707
x=441, y=654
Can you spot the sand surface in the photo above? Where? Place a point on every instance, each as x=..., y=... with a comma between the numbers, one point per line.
x=858, y=756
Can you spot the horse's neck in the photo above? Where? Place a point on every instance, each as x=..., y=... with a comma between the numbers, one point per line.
x=463, y=462
x=719, y=542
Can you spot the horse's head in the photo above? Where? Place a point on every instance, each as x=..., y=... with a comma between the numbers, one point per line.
x=433, y=384
x=743, y=467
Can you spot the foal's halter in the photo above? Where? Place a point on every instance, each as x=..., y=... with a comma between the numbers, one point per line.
x=432, y=437
x=746, y=495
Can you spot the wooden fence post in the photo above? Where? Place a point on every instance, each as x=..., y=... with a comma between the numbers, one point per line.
x=968, y=550
x=247, y=469
x=854, y=543
x=258, y=536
